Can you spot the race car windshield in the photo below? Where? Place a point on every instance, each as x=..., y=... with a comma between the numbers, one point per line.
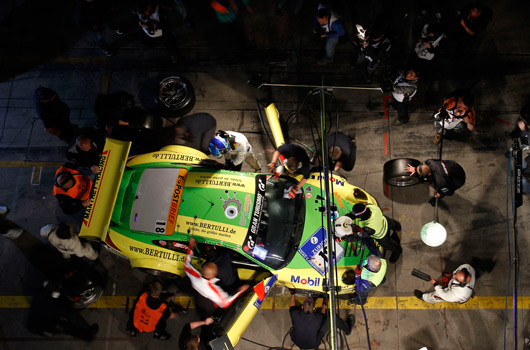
x=281, y=224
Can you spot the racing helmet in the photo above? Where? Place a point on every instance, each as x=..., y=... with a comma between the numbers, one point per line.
x=219, y=146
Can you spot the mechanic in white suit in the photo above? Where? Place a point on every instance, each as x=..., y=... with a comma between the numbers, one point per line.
x=235, y=148
x=458, y=289
x=65, y=239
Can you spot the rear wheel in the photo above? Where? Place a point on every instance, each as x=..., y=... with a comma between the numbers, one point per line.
x=395, y=175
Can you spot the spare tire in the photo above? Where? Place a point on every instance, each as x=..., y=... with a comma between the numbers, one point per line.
x=395, y=175
x=175, y=96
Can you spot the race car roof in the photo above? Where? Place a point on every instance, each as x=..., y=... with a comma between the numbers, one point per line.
x=213, y=204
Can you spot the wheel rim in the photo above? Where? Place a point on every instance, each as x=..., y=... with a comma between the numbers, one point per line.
x=402, y=181
x=173, y=93
x=89, y=296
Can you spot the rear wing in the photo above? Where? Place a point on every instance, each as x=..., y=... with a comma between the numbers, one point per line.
x=105, y=189
x=273, y=117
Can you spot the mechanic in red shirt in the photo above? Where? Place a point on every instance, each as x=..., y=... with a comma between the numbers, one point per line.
x=205, y=283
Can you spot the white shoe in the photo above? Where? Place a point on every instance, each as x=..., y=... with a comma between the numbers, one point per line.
x=46, y=230
x=3, y=210
x=14, y=233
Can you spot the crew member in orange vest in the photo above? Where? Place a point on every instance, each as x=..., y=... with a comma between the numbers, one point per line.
x=72, y=189
x=150, y=313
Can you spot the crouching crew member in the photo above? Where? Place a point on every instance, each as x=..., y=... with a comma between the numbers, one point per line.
x=446, y=176
x=72, y=189
x=236, y=149
x=371, y=216
x=458, y=289
x=370, y=274
x=295, y=160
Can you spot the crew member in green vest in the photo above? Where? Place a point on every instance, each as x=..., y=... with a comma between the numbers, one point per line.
x=370, y=274
x=371, y=216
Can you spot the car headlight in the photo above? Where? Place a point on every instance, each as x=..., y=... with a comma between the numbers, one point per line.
x=348, y=277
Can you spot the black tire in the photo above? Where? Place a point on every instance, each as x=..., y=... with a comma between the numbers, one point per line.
x=395, y=175
x=88, y=297
x=175, y=96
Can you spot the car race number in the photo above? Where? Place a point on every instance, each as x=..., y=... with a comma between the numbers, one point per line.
x=160, y=226
x=314, y=250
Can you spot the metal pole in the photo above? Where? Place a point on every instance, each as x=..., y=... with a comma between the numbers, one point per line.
x=518, y=193
x=440, y=158
x=330, y=241
x=442, y=142
x=436, y=209
x=322, y=87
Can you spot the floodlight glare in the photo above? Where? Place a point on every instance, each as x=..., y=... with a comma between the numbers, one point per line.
x=433, y=234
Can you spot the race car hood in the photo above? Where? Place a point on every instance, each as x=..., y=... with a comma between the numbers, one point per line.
x=218, y=205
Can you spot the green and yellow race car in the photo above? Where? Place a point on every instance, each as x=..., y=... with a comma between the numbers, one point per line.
x=146, y=208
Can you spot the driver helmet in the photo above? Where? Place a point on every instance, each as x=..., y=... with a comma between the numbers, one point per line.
x=219, y=146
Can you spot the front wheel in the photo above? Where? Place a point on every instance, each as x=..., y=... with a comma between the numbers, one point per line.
x=395, y=175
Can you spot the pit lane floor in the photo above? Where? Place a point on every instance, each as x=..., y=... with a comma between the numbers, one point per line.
x=475, y=217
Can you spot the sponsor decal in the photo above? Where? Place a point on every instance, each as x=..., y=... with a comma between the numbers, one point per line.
x=262, y=290
x=156, y=253
x=308, y=189
x=174, y=205
x=220, y=180
x=178, y=245
x=338, y=199
x=310, y=282
x=202, y=228
x=244, y=214
x=231, y=205
x=231, y=181
x=176, y=156
x=337, y=182
x=308, y=195
x=259, y=252
x=252, y=234
x=315, y=251
x=87, y=216
x=221, y=183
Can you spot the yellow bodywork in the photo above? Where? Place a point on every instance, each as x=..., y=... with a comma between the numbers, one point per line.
x=105, y=189
x=273, y=117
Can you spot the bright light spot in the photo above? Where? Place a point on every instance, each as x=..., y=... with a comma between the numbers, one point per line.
x=433, y=234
